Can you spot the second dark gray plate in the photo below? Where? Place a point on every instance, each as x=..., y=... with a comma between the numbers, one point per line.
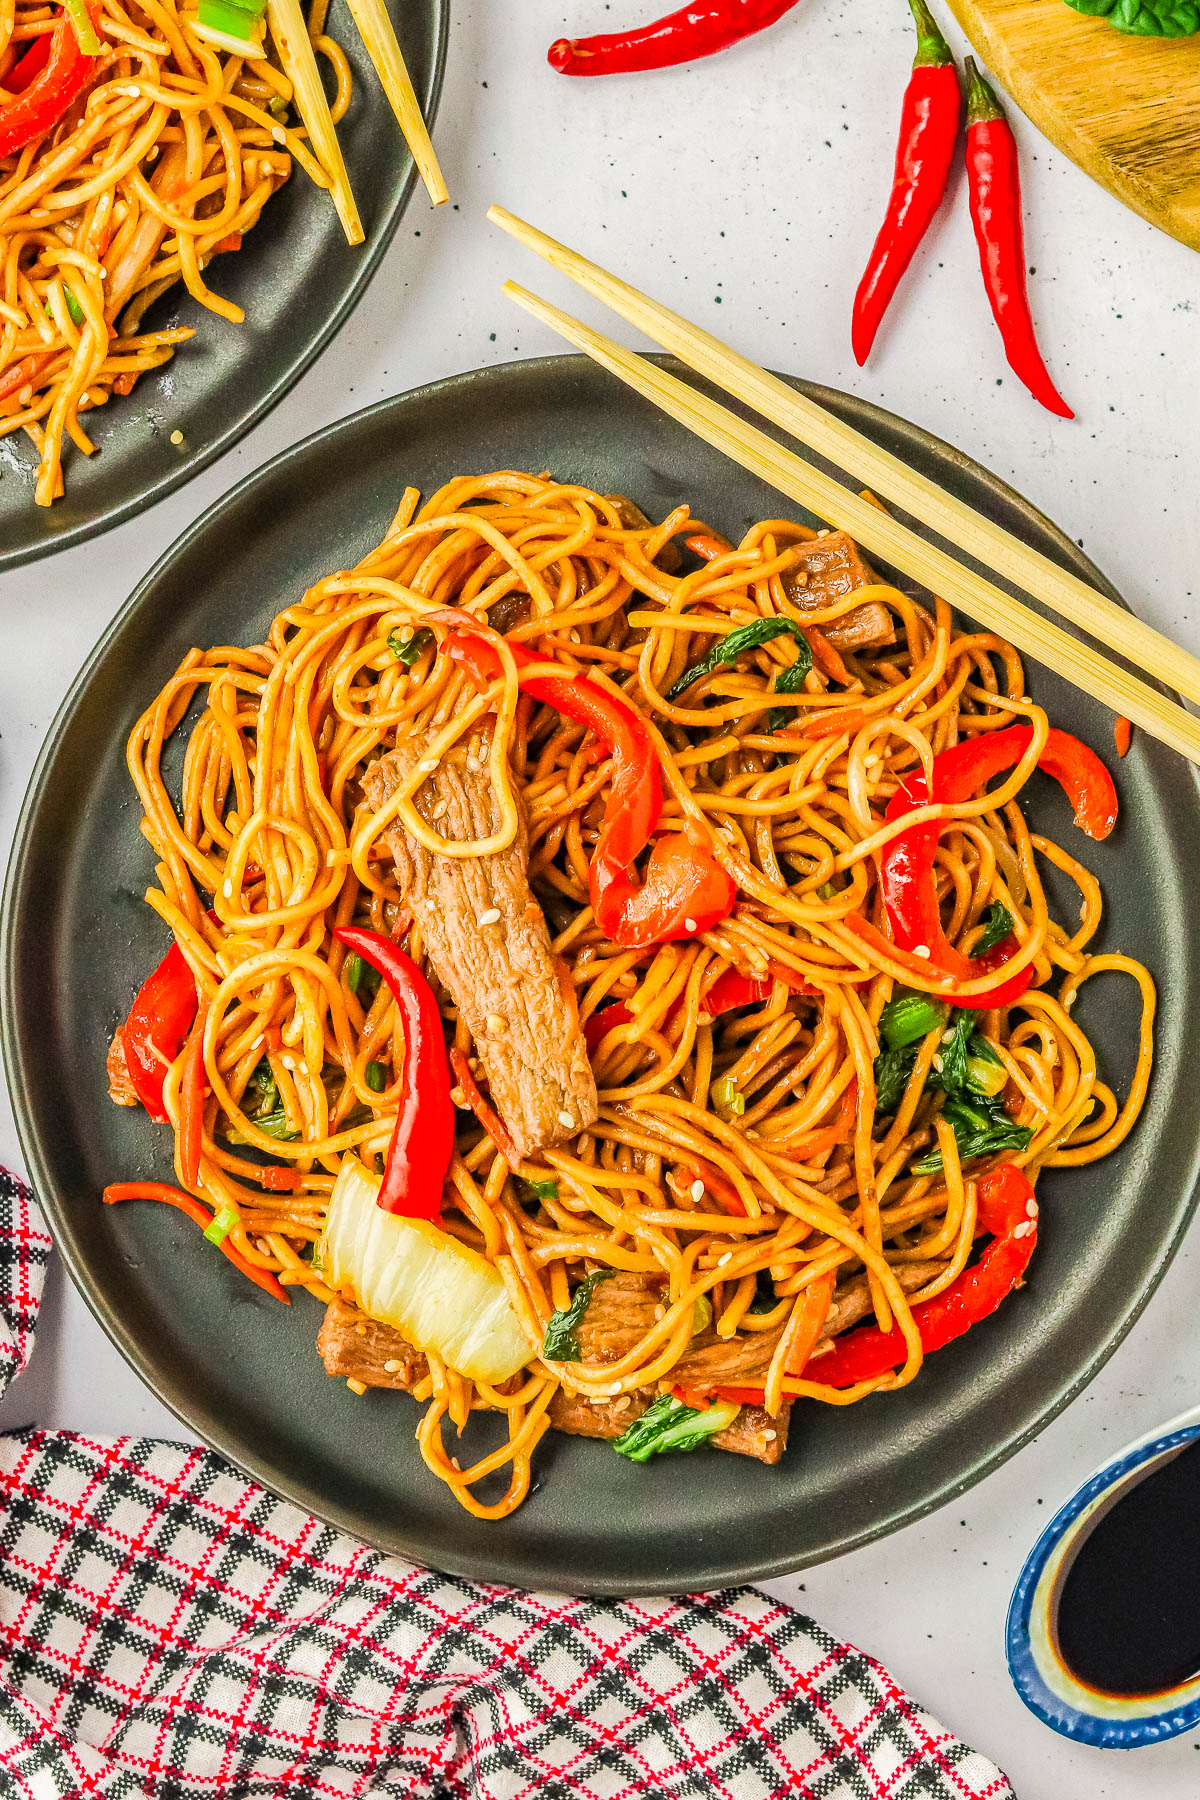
x=297, y=280
x=77, y=940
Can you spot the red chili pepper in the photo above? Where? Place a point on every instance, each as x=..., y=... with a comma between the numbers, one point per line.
x=685, y=890
x=58, y=82
x=157, y=1027
x=994, y=183
x=906, y=865
x=487, y=1115
x=1008, y=1209
x=700, y=28
x=192, y=1091
x=423, y=1140
x=928, y=133
x=187, y=1203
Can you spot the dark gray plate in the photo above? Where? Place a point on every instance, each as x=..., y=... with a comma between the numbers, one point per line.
x=77, y=940
x=298, y=281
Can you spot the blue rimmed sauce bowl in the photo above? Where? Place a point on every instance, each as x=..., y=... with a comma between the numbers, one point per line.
x=1076, y=1666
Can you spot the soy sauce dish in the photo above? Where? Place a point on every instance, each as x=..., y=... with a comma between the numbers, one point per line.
x=1103, y=1633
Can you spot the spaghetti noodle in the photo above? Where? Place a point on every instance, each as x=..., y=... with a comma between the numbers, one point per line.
x=165, y=160
x=746, y=1165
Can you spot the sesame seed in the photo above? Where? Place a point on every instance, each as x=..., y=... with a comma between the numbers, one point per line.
x=279, y=134
x=615, y=1388
x=391, y=1366
x=697, y=1190
x=565, y=1118
x=260, y=1039
x=103, y=273
x=727, y=1258
x=495, y=1024
x=689, y=924
x=769, y=1436
x=458, y=1098
x=1021, y=1230
x=622, y=1403
x=937, y=1063
x=406, y=634
x=947, y=1037
x=356, y=1387
x=921, y=950
x=361, y=1328
x=439, y=811
x=659, y=1313
x=491, y=916
x=427, y=765
x=85, y=399
x=824, y=532
x=133, y=93
x=177, y=437
x=596, y=1400
x=1031, y=1208
x=227, y=889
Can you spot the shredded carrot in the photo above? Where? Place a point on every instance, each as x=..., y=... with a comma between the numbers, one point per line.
x=232, y=242
x=826, y=1137
x=124, y=384
x=273, y=1038
x=780, y=972
x=187, y=1203
x=23, y=373
x=707, y=547
x=490, y=1120
x=1123, y=733
x=807, y=1320
x=839, y=718
x=826, y=657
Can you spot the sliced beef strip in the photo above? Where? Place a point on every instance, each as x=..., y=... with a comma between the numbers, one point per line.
x=620, y=1312
x=360, y=1349
x=121, y=1090
x=753, y=1433
x=634, y=519
x=502, y=974
x=829, y=568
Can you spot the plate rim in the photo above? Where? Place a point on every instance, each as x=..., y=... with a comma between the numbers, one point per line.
x=506, y=1565
x=178, y=476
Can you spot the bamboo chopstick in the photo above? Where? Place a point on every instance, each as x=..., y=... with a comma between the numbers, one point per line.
x=882, y=535
x=299, y=63
x=886, y=474
x=378, y=34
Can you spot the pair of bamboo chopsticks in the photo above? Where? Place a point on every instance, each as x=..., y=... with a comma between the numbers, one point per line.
x=299, y=63
x=876, y=531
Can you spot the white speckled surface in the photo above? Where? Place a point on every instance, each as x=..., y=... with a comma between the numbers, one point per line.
x=746, y=192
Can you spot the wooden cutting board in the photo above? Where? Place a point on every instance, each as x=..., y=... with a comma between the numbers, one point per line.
x=1126, y=109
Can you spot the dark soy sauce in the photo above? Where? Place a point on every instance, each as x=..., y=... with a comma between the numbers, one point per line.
x=1129, y=1612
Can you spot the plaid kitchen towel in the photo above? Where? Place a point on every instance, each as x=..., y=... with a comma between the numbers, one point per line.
x=170, y=1630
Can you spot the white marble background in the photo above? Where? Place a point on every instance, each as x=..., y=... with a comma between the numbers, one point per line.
x=745, y=191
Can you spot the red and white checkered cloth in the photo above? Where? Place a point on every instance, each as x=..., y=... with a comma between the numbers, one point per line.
x=170, y=1630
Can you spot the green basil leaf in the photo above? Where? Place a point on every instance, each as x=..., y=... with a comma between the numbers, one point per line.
x=1145, y=18
x=751, y=637
x=670, y=1426
x=997, y=924
x=562, y=1330
x=892, y=1070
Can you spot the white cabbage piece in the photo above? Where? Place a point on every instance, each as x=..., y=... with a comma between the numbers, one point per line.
x=439, y=1294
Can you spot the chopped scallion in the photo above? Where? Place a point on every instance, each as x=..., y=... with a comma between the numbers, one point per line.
x=85, y=31
x=407, y=650
x=728, y=1098
x=225, y=1220
x=375, y=1076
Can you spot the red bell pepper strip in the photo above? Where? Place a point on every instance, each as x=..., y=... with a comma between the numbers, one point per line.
x=685, y=890
x=906, y=864
x=1007, y=1209
x=157, y=1028
x=813, y=1311
x=700, y=28
x=277, y=1179
x=34, y=60
x=192, y=1091
x=731, y=989
x=187, y=1203
x=423, y=1139
x=53, y=88
x=928, y=133
x=487, y=1115
x=994, y=185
